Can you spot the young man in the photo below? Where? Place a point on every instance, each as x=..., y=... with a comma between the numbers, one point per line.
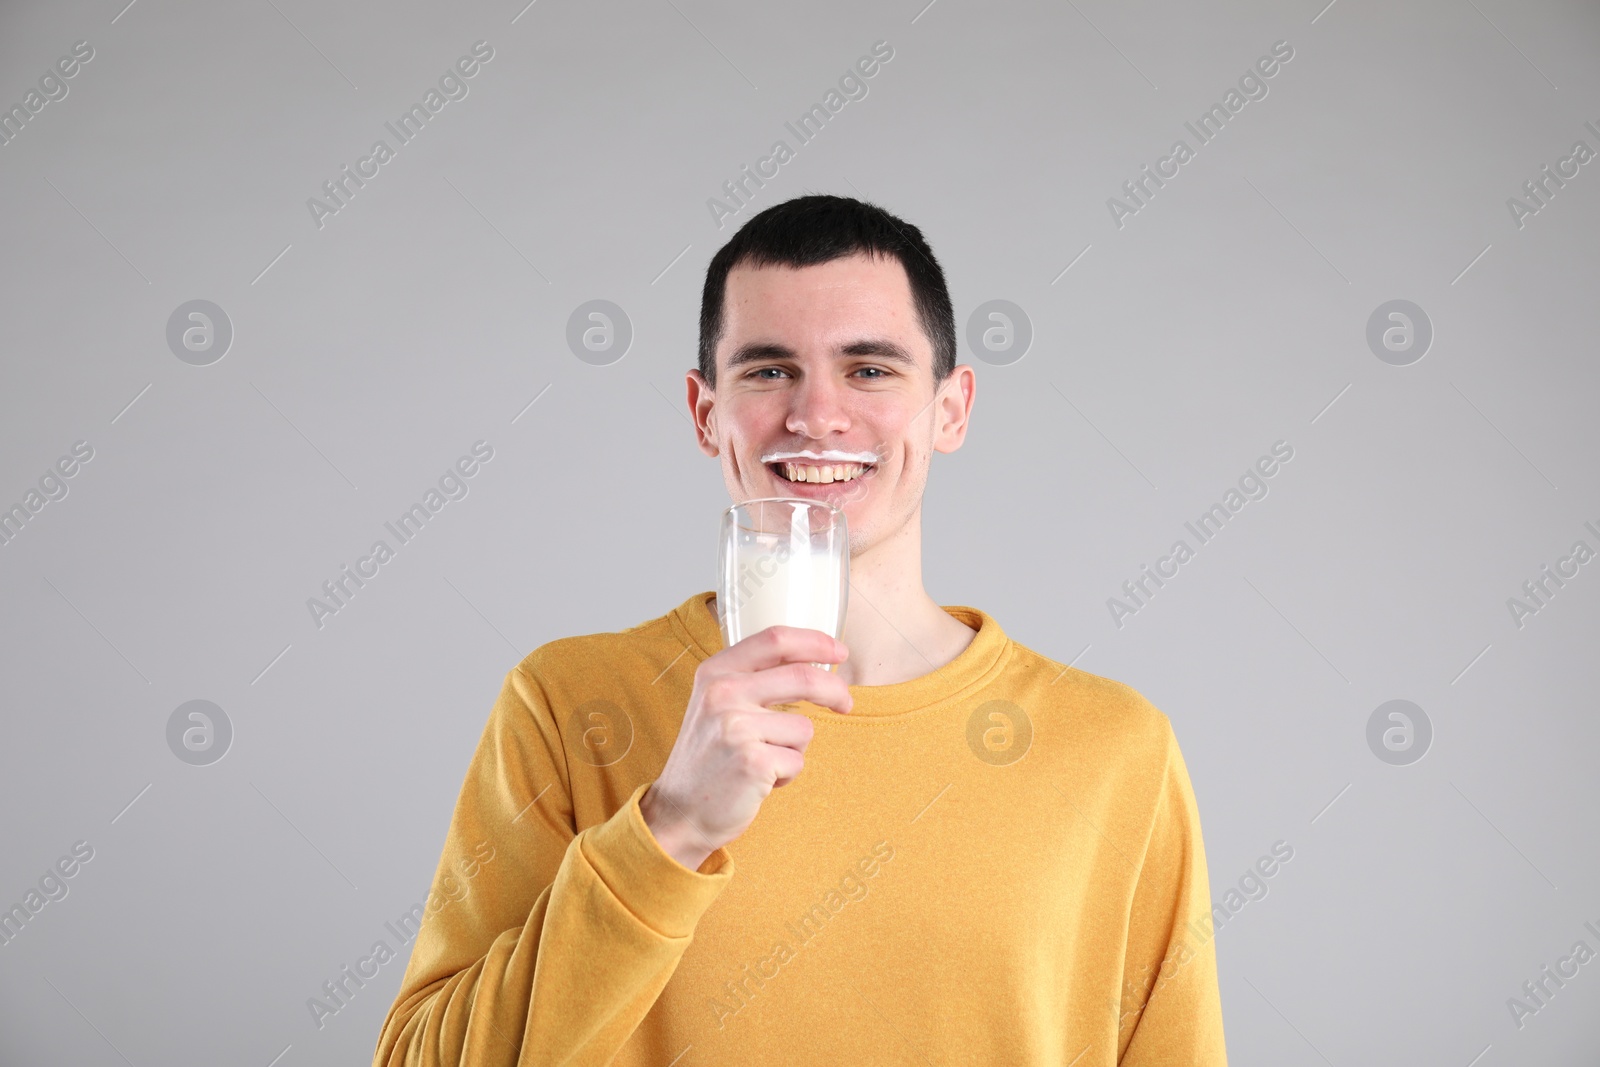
x=979, y=855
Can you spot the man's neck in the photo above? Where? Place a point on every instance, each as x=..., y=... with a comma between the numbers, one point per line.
x=895, y=631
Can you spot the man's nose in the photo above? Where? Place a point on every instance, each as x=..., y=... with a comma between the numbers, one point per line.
x=818, y=407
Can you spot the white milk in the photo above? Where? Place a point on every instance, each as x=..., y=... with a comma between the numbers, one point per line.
x=767, y=589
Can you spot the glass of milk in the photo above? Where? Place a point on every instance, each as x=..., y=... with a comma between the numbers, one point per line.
x=782, y=561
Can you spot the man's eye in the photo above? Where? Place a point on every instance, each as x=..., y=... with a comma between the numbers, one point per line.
x=760, y=373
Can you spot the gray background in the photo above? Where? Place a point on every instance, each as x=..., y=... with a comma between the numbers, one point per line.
x=1229, y=313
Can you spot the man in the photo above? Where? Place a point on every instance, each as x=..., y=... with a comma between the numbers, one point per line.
x=978, y=855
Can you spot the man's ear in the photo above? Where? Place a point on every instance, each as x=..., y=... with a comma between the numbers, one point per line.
x=952, y=411
x=702, y=407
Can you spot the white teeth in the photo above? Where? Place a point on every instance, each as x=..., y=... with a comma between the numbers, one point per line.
x=823, y=475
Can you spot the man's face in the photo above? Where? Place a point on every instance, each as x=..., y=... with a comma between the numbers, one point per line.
x=829, y=361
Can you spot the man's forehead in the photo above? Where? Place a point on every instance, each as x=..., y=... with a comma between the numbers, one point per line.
x=852, y=304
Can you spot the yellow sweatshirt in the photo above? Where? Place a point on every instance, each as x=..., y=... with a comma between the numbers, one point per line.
x=999, y=862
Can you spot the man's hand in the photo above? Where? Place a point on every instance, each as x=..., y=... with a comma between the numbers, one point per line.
x=732, y=750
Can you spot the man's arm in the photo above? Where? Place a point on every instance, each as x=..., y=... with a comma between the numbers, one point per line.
x=555, y=947
x=672, y=833
x=1171, y=1005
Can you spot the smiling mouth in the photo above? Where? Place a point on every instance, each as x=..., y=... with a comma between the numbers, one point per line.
x=819, y=473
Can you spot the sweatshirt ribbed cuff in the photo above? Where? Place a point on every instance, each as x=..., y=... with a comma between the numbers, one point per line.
x=660, y=891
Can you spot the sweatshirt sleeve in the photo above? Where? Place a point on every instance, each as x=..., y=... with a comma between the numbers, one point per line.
x=540, y=944
x=1171, y=1006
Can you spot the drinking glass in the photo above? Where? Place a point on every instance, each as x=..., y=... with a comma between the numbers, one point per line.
x=782, y=561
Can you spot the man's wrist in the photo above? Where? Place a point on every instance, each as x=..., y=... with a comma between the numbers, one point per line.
x=675, y=838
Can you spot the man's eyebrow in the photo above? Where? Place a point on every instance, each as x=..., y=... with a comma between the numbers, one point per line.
x=757, y=351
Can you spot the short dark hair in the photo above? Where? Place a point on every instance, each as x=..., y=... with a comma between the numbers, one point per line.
x=817, y=229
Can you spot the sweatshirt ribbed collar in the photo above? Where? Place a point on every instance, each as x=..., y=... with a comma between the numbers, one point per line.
x=977, y=665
